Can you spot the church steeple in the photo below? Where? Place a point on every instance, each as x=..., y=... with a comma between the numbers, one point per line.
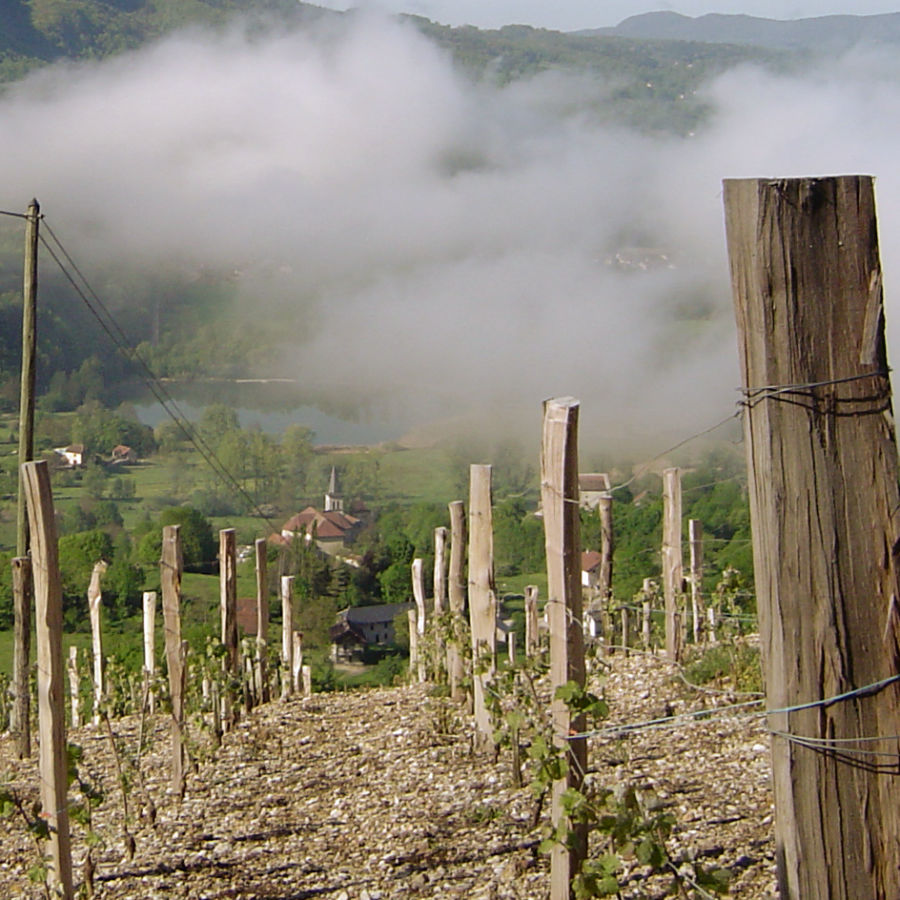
x=334, y=502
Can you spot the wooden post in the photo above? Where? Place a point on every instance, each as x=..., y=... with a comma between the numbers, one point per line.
x=482, y=599
x=824, y=505
x=51, y=703
x=74, y=687
x=149, y=608
x=695, y=535
x=170, y=568
x=262, y=622
x=21, y=709
x=562, y=533
x=626, y=636
x=511, y=649
x=412, y=622
x=296, y=662
x=418, y=586
x=441, y=538
x=647, y=593
x=287, y=634
x=228, y=601
x=307, y=681
x=457, y=597
x=94, y=596
x=23, y=597
x=673, y=573
x=532, y=635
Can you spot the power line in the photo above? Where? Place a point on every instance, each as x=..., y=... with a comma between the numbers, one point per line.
x=115, y=333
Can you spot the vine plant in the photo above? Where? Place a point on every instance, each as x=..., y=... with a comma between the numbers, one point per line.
x=630, y=828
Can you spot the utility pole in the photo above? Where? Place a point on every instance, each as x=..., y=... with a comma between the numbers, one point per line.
x=23, y=595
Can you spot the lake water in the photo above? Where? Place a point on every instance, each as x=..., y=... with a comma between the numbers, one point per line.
x=328, y=429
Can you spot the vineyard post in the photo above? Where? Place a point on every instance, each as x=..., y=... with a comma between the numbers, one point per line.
x=262, y=622
x=695, y=535
x=287, y=634
x=824, y=506
x=562, y=535
x=51, y=702
x=441, y=536
x=647, y=604
x=412, y=621
x=94, y=596
x=607, y=547
x=482, y=599
x=170, y=581
x=307, y=681
x=511, y=648
x=626, y=636
x=532, y=635
x=74, y=687
x=672, y=568
x=149, y=609
x=456, y=596
x=228, y=614
x=23, y=593
x=418, y=586
x=297, y=662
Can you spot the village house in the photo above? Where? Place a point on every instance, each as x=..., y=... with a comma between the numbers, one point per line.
x=361, y=626
x=72, y=456
x=331, y=529
x=123, y=455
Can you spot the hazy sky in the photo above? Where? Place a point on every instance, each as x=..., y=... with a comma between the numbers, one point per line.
x=567, y=15
x=439, y=246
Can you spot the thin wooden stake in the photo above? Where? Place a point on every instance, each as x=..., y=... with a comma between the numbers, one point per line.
x=95, y=596
x=74, y=687
x=482, y=599
x=23, y=593
x=170, y=568
x=418, y=586
x=149, y=607
x=457, y=597
x=262, y=622
x=297, y=662
x=287, y=634
x=532, y=632
x=672, y=567
x=441, y=539
x=695, y=535
x=51, y=678
x=562, y=533
x=412, y=621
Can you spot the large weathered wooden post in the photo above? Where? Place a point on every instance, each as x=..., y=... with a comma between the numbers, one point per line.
x=262, y=622
x=94, y=597
x=824, y=504
x=672, y=567
x=51, y=701
x=562, y=534
x=456, y=587
x=170, y=569
x=287, y=634
x=418, y=586
x=482, y=599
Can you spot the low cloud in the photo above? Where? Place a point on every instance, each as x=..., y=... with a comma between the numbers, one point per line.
x=458, y=247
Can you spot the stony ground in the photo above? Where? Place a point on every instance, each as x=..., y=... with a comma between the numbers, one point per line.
x=378, y=794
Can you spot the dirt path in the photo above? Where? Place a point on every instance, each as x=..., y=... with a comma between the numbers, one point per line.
x=376, y=794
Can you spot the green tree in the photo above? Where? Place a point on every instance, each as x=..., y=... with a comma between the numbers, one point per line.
x=198, y=544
